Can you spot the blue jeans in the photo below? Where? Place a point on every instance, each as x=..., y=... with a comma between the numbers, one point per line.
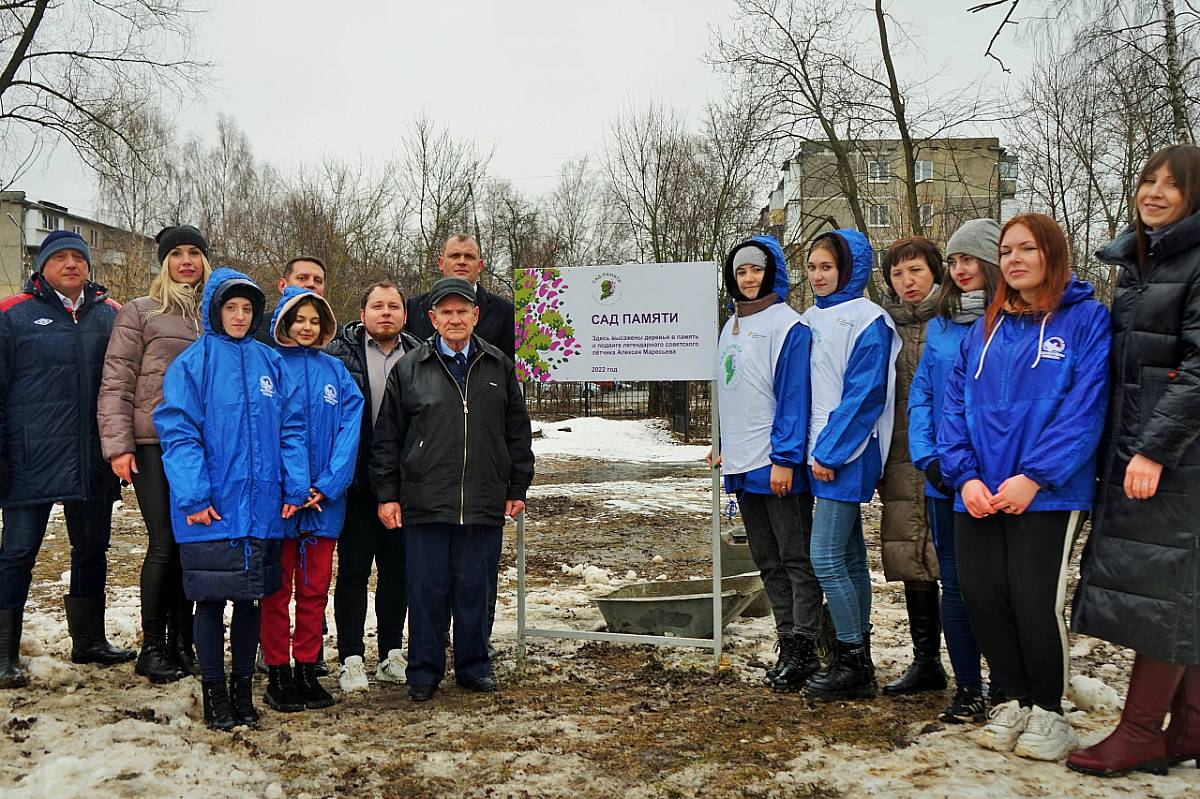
x=89, y=527
x=960, y=640
x=450, y=568
x=839, y=558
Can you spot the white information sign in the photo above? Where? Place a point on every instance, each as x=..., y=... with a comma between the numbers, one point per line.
x=626, y=322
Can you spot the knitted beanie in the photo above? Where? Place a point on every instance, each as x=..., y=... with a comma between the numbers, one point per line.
x=171, y=237
x=978, y=237
x=63, y=240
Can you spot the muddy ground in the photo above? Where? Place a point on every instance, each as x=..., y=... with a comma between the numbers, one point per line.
x=576, y=719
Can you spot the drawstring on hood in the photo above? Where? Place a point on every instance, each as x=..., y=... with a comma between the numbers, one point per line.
x=1076, y=291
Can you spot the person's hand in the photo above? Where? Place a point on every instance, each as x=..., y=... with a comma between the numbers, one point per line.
x=288, y=510
x=205, y=517
x=513, y=507
x=977, y=498
x=124, y=466
x=390, y=515
x=315, y=498
x=710, y=462
x=1015, y=494
x=823, y=473
x=781, y=480
x=1141, y=477
x=933, y=473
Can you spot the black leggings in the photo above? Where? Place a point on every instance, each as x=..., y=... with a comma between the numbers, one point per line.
x=210, y=638
x=162, y=577
x=1013, y=573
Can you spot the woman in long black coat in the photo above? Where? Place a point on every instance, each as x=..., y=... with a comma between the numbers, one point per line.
x=1141, y=569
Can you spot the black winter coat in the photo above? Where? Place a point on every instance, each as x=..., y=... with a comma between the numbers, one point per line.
x=51, y=360
x=1140, y=572
x=347, y=347
x=445, y=458
x=496, y=325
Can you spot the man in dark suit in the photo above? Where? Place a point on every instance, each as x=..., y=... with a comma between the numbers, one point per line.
x=460, y=258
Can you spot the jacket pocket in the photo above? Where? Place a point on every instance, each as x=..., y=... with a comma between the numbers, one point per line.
x=1154, y=384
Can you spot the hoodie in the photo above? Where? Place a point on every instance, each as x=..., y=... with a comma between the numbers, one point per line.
x=231, y=427
x=853, y=378
x=1030, y=399
x=762, y=377
x=333, y=409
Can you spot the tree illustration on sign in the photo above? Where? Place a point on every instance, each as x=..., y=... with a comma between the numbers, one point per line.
x=606, y=289
x=545, y=337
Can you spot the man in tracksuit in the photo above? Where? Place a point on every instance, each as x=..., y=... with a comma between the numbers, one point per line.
x=451, y=457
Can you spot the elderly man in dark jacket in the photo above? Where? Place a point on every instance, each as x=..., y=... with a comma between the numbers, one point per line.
x=452, y=456
x=53, y=336
x=370, y=348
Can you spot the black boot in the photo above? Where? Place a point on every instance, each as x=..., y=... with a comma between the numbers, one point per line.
x=85, y=620
x=154, y=662
x=180, y=637
x=848, y=676
x=11, y=675
x=800, y=664
x=782, y=643
x=282, y=693
x=924, y=622
x=315, y=696
x=241, y=700
x=218, y=715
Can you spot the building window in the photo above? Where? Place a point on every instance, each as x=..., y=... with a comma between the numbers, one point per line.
x=879, y=216
x=923, y=171
x=879, y=171
x=880, y=253
x=49, y=221
x=94, y=238
x=926, y=215
x=77, y=230
x=1008, y=169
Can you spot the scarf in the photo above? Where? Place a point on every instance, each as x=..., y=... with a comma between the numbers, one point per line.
x=971, y=306
x=751, y=307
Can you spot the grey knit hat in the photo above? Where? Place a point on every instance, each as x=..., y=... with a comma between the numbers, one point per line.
x=978, y=237
x=749, y=254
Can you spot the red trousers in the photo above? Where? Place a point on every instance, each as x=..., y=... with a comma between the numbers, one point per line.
x=306, y=563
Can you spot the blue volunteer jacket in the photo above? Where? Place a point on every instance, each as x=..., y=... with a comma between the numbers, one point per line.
x=864, y=392
x=1030, y=399
x=333, y=406
x=232, y=429
x=789, y=429
x=943, y=338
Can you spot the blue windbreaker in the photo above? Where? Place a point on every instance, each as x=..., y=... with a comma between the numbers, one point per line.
x=333, y=408
x=789, y=429
x=1030, y=400
x=863, y=392
x=232, y=429
x=943, y=338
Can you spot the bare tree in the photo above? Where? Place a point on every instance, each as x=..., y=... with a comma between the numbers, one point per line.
x=69, y=68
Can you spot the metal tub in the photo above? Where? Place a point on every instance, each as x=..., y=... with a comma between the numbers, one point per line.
x=681, y=608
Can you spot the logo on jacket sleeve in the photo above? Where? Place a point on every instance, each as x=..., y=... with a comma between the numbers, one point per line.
x=330, y=394
x=1054, y=349
x=266, y=387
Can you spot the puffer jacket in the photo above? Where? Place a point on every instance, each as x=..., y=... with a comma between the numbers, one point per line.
x=144, y=342
x=333, y=408
x=1029, y=399
x=853, y=368
x=762, y=377
x=347, y=347
x=50, y=364
x=231, y=425
x=904, y=533
x=446, y=456
x=1140, y=573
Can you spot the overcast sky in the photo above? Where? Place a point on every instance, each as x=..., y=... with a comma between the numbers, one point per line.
x=538, y=79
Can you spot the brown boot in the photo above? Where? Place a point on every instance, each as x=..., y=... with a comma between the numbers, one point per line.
x=1183, y=733
x=1138, y=743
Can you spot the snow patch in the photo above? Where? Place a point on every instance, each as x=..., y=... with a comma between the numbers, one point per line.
x=640, y=441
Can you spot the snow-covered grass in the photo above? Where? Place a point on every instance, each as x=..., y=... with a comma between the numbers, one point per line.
x=638, y=441
x=678, y=494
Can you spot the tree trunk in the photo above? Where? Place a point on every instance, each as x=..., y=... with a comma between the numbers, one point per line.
x=1178, y=99
x=906, y=144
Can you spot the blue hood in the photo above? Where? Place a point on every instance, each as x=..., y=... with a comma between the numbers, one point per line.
x=777, y=279
x=855, y=244
x=292, y=295
x=220, y=284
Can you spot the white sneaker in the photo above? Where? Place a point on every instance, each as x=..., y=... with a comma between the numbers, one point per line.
x=353, y=676
x=391, y=668
x=1048, y=736
x=1006, y=722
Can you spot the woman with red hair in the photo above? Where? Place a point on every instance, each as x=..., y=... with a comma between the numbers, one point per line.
x=1023, y=414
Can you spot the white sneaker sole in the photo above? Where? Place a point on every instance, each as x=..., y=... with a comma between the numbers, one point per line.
x=384, y=676
x=996, y=744
x=1043, y=750
x=353, y=688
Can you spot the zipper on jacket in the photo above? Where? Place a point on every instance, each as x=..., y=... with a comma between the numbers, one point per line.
x=249, y=434
x=462, y=392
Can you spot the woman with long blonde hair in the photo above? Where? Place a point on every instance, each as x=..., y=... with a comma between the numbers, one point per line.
x=148, y=334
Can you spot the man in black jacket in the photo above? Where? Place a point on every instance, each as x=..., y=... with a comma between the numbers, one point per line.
x=460, y=258
x=53, y=337
x=452, y=456
x=370, y=348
